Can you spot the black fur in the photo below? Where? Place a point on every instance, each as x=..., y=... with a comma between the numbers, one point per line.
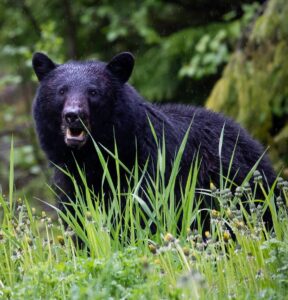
x=116, y=110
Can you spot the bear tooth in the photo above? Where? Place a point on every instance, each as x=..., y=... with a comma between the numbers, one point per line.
x=68, y=133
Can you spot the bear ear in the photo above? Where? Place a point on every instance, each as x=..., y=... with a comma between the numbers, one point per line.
x=121, y=66
x=42, y=65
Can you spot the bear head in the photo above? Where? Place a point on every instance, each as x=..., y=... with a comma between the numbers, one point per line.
x=76, y=97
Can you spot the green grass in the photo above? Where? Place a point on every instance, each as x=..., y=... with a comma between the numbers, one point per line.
x=121, y=259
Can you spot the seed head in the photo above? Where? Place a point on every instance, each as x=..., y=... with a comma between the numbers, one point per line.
x=61, y=240
x=239, y=191
x=257, y=177
x=226, y=236
x=89, y=216
x=29, y=241
x=247, y=189
x=152, y=248
x=226, y=194
x=239, y=224
x=186, y=251
x=280, y=183
x=33, y=210
x=229, y=213
x=212, y=187
x=49, y=222
x=215, y=214
x=279, y=201
x=169, y=238
x=207, y=234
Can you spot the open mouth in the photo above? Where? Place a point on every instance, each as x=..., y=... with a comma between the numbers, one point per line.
x=75, y=137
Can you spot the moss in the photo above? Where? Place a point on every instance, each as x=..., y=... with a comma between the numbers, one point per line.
x=273, y=23
x=253, y=88
x=281, y=146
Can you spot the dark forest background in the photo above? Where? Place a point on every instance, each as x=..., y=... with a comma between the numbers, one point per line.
x=228, y=55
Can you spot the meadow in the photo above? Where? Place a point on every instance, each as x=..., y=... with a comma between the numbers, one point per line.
x=113, y=253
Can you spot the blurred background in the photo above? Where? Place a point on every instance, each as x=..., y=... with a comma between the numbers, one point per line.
x=227, y=55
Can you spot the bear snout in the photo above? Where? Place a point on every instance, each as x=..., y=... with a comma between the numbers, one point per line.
x=75, y=116
x=71, y=117
x=75, y=123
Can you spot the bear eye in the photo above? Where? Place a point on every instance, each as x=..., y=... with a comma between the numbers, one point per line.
x=62, y=91
x=92, y=93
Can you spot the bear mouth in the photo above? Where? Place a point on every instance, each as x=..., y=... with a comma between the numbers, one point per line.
x=75, y=137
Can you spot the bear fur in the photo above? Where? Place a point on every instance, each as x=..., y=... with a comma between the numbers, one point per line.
x=97, y=94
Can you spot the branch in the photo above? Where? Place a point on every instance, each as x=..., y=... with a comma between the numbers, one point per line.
x=29, y=15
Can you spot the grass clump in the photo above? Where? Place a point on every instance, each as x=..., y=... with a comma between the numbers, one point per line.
x=122, y=258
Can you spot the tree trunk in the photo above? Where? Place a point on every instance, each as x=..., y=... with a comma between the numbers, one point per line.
x=71, y=32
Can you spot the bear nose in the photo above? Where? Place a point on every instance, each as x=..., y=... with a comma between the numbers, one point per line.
x=71, y=117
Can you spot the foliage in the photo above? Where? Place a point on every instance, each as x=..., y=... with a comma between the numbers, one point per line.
x=252, y=89
x=40, y=257
x=101, y=29
x=213, y=48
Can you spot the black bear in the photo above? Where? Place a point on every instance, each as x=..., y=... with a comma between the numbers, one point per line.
x=94, y=95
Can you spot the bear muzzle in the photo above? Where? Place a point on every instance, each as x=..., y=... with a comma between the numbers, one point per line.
x=75, y=126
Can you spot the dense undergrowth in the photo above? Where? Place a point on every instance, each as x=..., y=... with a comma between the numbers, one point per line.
x=120, y=257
